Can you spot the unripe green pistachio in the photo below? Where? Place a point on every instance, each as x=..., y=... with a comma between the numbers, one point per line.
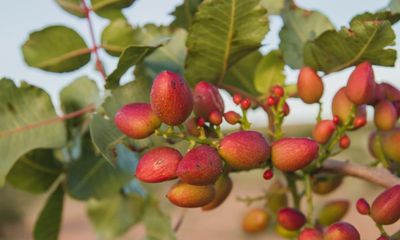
x=324, y=183
x=332, y=212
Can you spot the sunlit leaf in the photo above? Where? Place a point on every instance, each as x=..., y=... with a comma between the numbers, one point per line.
x=118, y=35
x=129, y=57
x=56, y=49
x=363, y=41
x=392, y=17
x=269, y=72
x=222, y=33
x=184, y=14
x=110, y=9
x=170, y=57
x=273, y=7
x=241, y=75
x=74, y=7
x=299, y=27
x=394, y=6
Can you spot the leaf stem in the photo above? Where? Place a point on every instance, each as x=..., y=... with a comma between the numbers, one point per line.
x=99, y=64
x=382, y=230
x=89, y=108
x=319, y=116
x=309, y=196
x=170, y=133
x=380, y=154
x=291, y=180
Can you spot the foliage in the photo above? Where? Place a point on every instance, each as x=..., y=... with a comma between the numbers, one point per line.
x=80, y=152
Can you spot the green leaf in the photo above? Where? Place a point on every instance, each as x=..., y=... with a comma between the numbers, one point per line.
x=110, y=9
x=269, y=72
x=105, y=136
x=392, y=17
x=273, y=7
x=79, y=94
x=241, y=75
x=24, y=112
x=118, y=35
x=158, y=224
x=56, y=49
x=299, y=27
x=40, y=167
x=135, y=91
x=47, y=226
x=93, y=177
x=151, y=35
x=104, y=133
x=363, y=41
x=113, y=216
x=222, y=33
x=184, y=14
x=134, y=187
x=74, y=7
x=332, y=212
x=394, y=6
x=170, y=57
x=129, y=57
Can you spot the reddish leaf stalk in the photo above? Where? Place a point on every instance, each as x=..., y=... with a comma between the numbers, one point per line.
x=89, y=108
x=99, y=64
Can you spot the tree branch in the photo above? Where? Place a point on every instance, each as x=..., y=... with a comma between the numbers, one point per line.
x=378, y=176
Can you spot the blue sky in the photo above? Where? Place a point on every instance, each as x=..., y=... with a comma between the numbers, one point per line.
x=19, y=17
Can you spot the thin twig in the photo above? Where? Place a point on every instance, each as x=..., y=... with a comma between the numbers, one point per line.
x=89, y=108
x=180, y=221
x=378, y=176
x=99, y=64
x=233, y=89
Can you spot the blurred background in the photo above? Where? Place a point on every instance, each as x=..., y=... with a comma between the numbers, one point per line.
x=20, y=17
